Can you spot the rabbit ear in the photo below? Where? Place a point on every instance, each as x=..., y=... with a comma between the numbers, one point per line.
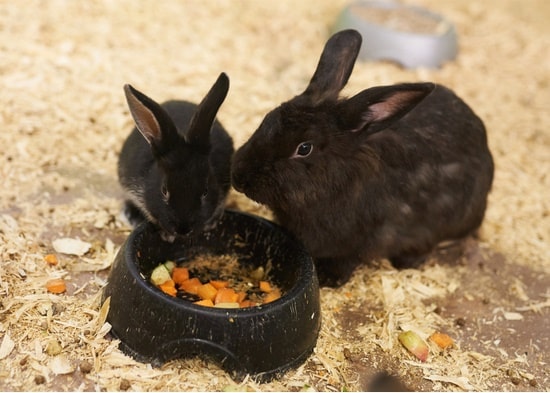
x=201, y=123
x=378, y=107
x=335, y=66
x=151, y=120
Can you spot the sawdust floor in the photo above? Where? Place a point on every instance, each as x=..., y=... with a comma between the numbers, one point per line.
x=63, y=119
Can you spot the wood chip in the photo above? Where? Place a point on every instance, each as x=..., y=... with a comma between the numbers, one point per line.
x=71, y=246
x=7, y=346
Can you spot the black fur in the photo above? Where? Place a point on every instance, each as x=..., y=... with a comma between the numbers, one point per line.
x=392, y=172
x=175, y=165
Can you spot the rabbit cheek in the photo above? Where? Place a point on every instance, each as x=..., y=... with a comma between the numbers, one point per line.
x=247, y=180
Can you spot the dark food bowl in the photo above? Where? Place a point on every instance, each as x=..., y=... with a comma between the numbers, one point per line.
x=262, y=341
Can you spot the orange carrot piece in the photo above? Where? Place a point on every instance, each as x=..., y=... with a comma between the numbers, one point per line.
x=226, y=295
x=272, y=296
x=191, y=286
x=442, y=340
x=247, y=303
x=265, y=286
x=241, y=296
x=56, y=285
x=207, y=291
x=51, y=259
x=205, y=302
x=218, y=284
x=180, y=274
x=169, y=288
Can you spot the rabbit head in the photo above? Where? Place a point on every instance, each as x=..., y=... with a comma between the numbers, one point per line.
x=179, y=189
x=308, y=148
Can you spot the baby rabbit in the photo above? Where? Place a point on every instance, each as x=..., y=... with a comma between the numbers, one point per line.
x=175, y=165
x=387, y=173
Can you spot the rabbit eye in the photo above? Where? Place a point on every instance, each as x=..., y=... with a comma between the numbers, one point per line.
x=303, y=149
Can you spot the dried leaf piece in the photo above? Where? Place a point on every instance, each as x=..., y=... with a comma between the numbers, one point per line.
x=414, y=344
x=67, y=245
x=56, y=285
x=51, y=259
x=103, y=330
x=7, y=346
x=61, y=365
x=103, y=312
x=442, y=340
x=513, y=316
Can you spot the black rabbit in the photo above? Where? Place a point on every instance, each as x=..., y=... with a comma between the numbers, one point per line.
x=387, y=173
x=175, y=165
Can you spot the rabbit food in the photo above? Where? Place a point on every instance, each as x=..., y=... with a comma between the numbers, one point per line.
x=216, y=281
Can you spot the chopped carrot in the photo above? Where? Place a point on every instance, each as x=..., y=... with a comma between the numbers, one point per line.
x=265, y=286
x=247, y=303
x=205, y=302
x=226, y=295
x=272, y=296
x=207, y=291
x=218, y=292
x=442, y=340
x=169, y=288
x=180, y=274
x=51, y=259
x=218, y=284
x=56, y=285
x=241, y=296
x=191, y=286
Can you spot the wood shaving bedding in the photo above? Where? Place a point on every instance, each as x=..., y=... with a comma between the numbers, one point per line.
x=63, y=118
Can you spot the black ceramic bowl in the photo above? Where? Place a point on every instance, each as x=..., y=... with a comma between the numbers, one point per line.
x=262, y=341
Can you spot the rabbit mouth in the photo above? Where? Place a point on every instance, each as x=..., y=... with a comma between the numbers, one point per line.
x=249, y=188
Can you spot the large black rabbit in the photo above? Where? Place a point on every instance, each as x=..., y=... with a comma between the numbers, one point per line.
x=389, y=172
x=175, y=165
